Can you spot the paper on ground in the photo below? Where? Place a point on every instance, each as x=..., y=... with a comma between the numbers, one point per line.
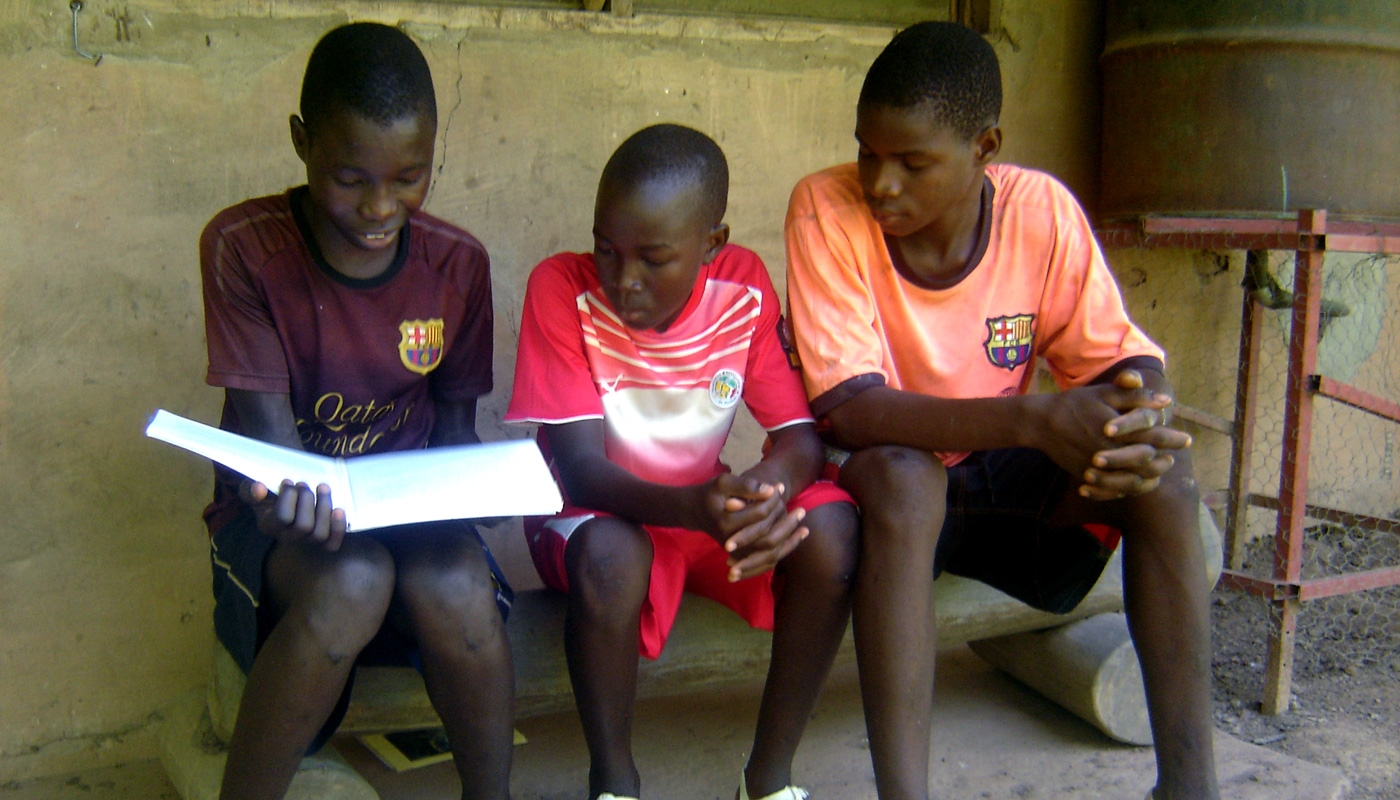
x=499, y=479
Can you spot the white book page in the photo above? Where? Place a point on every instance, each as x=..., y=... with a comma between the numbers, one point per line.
x=263, y=462
x=499, y=479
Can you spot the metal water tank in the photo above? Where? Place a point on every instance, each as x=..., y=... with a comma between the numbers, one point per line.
x=1231, y=107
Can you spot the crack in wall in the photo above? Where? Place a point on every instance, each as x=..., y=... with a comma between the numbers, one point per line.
x=447, y=125
x=88, y=740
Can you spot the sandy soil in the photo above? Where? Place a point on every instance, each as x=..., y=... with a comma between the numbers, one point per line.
x=1346, y=687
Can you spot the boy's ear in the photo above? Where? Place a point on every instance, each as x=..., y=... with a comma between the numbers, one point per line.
x=715, y=241
x=300, y=138
x=987, y=144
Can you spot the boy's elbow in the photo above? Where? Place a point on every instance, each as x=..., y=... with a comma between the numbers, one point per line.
x=845, y=428
x=576, y=485
x=811, y=455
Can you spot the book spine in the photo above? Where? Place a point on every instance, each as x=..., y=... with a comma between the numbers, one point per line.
x=347, y=502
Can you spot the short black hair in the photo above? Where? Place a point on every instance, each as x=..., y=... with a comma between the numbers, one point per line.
x=943, y=68
x=372, y=70
x=672, y=152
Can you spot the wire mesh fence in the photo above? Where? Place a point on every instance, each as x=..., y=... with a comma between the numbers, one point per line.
x=1352, y=488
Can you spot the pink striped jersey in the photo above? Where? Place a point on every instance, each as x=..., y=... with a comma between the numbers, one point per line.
x=668, y=399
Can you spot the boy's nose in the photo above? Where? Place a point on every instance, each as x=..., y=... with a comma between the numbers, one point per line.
x=886, y=181
x=378, y=203
x=630, y=278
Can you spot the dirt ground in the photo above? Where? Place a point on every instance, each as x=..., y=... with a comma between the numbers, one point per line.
x=1346, y=686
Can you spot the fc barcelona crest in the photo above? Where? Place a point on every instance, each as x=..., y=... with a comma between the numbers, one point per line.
x=420, y=344
x=1009, y=340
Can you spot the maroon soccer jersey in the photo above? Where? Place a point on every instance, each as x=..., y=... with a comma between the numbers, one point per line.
x=362, y=360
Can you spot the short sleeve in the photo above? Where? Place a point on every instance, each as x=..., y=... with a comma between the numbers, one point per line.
x=1088, y=328
x=245, y=348
x=833, y=313
x=466, y=369
x=553, y=381
x=773, y=389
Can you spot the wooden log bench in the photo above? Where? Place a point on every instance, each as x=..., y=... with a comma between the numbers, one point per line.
x=1089, y=668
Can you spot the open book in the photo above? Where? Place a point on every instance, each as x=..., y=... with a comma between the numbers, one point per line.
x=500, y=479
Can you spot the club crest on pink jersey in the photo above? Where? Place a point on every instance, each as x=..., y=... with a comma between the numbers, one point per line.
x=420, y=345
x=1009, y=340
x=725, y=388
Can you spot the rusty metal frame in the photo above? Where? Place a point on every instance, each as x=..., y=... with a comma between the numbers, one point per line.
x=1310, y=235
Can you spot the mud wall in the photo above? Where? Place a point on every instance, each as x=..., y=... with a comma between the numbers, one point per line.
x=110, y=171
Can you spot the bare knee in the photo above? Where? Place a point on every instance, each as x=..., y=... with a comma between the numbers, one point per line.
x=901, y=492
x=831, y=550
x=451, y=587
x=1171, y=509
x=340, y=598
x=609, y=565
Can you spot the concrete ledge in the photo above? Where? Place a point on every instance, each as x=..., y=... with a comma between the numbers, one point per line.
x=709, y=648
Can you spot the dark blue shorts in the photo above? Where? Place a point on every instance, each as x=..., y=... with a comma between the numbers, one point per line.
x=238, y=552
x=996, y=530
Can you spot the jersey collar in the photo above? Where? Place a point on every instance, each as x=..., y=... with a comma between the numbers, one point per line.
x=984, y=236
x=295, y=198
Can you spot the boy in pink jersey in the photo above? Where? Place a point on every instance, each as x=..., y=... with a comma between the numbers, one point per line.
x=923, y=283
x=343, y=320
x=633, y=360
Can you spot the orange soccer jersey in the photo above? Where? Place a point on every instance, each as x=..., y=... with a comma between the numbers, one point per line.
x=1037, y=286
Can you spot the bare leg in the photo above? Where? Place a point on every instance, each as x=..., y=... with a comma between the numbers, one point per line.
x=609, y=566
x=902, y=495
x=809, y=621
x=1166, y=599
x=446, y=596
x=331, y=605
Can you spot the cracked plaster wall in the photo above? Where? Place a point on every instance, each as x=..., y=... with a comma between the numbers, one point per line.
x=110, y=172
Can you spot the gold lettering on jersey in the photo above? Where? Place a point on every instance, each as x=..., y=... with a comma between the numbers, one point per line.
x=420, y=344
x=398, y=423
x=331, y=411
x=339, y=428
x=318, y=441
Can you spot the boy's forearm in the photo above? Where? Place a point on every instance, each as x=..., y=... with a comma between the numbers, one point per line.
x=881, y=415
x=604, y=486
x=592, y=481
x=265, y=416
x=454, y=423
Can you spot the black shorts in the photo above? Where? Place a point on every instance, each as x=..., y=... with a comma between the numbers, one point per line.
x=996, y=529
x=238, y=552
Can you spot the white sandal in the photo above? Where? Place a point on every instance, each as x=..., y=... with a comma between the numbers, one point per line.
x=788, y=792
x=611, y=796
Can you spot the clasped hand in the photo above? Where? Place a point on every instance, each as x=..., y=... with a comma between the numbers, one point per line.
x=750, y=519
x=1115, y=436
x=297, y=513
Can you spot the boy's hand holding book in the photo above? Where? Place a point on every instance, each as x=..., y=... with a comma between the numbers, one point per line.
x=296, y=513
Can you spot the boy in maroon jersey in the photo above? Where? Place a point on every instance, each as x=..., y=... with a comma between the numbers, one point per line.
x=343, y=320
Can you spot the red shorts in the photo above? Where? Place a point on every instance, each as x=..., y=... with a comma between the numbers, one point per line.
x=683, y=560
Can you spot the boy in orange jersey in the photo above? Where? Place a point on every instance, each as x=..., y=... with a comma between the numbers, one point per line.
x=633, y=359
x=923, y=282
